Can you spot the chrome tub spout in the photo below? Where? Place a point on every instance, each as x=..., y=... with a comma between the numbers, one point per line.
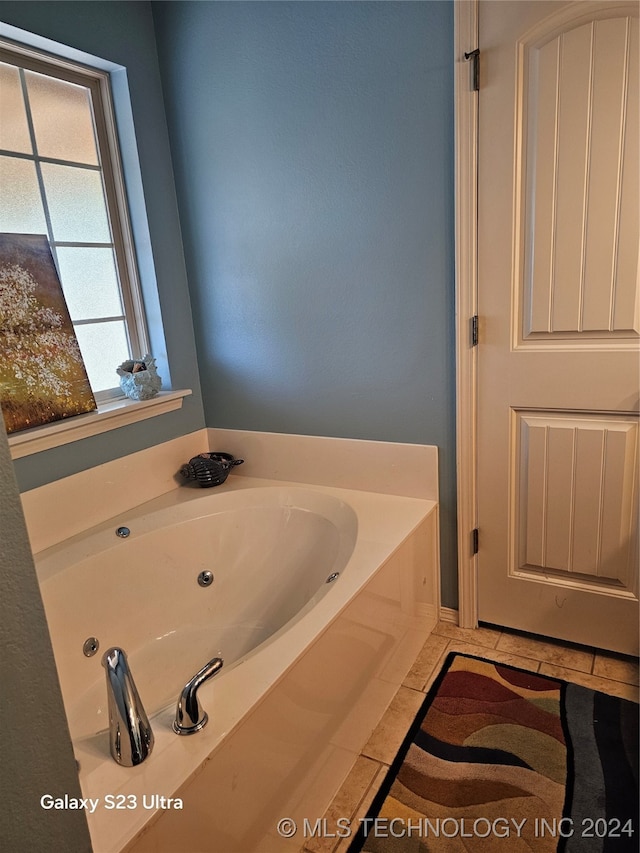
x=130, y=735
x=190, y=717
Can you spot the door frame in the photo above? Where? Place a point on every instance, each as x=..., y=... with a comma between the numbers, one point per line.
x=466, y=300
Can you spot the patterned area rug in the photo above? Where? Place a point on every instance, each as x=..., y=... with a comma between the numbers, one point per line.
x=499, y=759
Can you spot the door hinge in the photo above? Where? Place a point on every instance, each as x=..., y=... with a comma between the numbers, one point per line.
x=475, y=56
x=474, y=331
x=474, y=540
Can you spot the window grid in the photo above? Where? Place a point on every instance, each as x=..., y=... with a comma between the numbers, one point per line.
x=96, y=86
x=38, y=160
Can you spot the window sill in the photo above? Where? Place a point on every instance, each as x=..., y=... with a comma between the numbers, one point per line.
x=110, y=415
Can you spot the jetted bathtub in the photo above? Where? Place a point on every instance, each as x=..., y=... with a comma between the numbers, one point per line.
x=317, y=599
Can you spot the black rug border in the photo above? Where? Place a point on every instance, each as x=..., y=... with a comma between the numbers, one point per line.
x=359, y=837
x=570, y=781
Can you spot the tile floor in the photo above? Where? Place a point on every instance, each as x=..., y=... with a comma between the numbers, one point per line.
x=602, y=671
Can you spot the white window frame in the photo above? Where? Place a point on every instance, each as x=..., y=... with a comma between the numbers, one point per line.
x=114, y=409
x=110, y=168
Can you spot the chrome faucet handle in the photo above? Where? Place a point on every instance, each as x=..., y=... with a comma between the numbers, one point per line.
x=190, y=717
x=130, y=735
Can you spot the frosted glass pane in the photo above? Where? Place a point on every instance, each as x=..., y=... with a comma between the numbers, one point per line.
x=76, y=204
x=20, y=201
x=89, y=282
x=62, y=119
x=104, y=347
x=14, y=131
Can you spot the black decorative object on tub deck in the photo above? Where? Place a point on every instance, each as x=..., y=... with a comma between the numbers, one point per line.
x=209, y=469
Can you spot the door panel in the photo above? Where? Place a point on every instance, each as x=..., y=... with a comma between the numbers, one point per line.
x=558, y=360
x=579, y=115
x=576, y=489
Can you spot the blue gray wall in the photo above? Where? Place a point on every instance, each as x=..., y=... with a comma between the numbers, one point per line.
x=313, y=154
x=123, y=33
x=37, y=757
x=313, y=149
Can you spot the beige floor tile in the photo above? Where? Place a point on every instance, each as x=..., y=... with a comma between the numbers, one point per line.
x=344, y=843
x=604, y=685
x=479, y=636
x=494, y=655
x=391, y=730
x=344, y=805
x=546, y=650
x=429, y=658
x=616, y=667
x=436, y=672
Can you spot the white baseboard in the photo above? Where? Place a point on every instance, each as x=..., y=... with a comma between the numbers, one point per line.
x=448, y=614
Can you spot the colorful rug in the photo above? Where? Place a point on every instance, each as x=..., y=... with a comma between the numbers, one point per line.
x=500, y=759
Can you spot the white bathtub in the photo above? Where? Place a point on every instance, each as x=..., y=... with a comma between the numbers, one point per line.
x=309, y=666
x=271, y=552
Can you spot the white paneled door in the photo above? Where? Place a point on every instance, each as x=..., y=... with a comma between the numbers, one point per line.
x=558, y=305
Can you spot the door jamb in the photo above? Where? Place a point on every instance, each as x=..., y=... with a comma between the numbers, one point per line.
x=466, y=277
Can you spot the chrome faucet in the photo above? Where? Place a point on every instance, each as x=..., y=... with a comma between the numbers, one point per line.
x=130, y=735
x=190, y=717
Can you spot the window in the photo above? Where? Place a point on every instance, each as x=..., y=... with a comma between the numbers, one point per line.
x=60, y=175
